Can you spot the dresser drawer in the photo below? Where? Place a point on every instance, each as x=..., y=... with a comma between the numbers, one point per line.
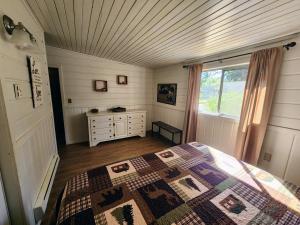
x=101, y=119
x=120, y=117
x=136, y=126
x=136, y=121
x=139, y=132
x=136, y=116
x=102, y=131
x=101, y=137
x=99, y=125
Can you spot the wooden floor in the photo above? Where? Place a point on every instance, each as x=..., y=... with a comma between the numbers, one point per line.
x=78, y=158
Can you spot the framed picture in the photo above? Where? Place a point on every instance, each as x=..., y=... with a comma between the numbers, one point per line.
x=101, y=85
x=122, y=79
x=166, y=93
x=35, y=78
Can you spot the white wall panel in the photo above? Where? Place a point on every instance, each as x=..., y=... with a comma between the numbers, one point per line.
x=29, y=139
x=217, y=131
x=173, y=115
x=78, y=72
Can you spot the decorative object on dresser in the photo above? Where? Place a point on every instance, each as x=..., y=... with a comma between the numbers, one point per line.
x=94, y=110
x=166, y=93
x=122, y=79
x=118, y=109
x=101, y=85
x=35, y=78
x=106, y=126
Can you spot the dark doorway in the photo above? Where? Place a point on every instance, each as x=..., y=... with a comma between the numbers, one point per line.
x=57, y=106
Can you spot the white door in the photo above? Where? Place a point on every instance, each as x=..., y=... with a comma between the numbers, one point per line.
x=120, y=129
x=4, y=219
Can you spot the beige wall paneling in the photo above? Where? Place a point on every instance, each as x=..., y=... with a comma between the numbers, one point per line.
x=78, y=72
x=28, y=134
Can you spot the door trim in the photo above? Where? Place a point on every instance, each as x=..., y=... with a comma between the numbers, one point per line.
x=62, y=95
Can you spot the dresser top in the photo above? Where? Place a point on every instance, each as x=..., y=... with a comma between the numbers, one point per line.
x=89, y=114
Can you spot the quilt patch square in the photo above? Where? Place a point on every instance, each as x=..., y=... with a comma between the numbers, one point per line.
x=142, y=181
x=235, y=207
x=84, y=217
x=120, y=169
x=98, y=183
x=159, y=193
x=191, y=162
x=109, y=198
x=157, y=165
x=125, y=178
x=289, y=218
x=125, y=213
x=188, y=187
x=77, y=183
x=139, y=163
x=174, y=162
x=167, y=155
x=180, y=151
x=74, y=207
x=249, y=194
x=210, y=214
x=209, y=173
x=190, y=219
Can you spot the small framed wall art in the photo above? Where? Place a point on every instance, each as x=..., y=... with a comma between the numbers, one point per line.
x=101, y=85
x=122, y=79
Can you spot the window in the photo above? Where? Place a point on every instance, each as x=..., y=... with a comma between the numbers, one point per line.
x=222, y=91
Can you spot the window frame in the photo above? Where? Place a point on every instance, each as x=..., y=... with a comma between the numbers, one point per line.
x=223, y=69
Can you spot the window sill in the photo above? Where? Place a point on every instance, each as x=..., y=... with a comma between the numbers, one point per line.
x=220, y=115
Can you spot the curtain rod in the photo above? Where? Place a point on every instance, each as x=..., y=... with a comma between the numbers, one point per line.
x=287, y=46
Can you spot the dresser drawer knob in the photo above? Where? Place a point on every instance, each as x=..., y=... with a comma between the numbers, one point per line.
x=94, y=120
x=129, y=122
x=109, y=119
x=94, y=126
x=94, y=132
x=109, y=130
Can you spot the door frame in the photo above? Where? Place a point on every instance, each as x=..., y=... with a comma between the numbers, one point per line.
x=62, y=96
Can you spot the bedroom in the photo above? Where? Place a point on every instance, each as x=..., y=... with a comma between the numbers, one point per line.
x=223, y=73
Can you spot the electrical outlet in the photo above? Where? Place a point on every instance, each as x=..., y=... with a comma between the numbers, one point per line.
x=18, y=91
x=267, y=156
x=69, y=100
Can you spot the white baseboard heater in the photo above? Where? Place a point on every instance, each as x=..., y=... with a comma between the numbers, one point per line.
x=43, y=196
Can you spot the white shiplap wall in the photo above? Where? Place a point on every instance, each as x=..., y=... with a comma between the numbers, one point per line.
x=27, y=135
x=171, y=114
x=78, y=71
x=283, y=136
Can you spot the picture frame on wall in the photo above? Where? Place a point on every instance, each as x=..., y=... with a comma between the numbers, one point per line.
x=167, y=93
x=100, y=85
x=35, y=78
x=122, y=79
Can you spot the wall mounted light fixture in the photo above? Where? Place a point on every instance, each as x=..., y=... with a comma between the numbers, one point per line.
x=20, y=36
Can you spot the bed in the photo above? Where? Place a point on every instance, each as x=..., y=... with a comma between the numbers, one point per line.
x=186, y=184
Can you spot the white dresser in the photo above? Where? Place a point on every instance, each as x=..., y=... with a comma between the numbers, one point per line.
x=106, y=126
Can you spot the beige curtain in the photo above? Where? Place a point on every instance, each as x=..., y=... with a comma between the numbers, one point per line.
x=260, y=87
x=192, y=103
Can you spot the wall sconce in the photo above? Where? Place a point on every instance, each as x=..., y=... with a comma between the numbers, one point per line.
x=20, y=36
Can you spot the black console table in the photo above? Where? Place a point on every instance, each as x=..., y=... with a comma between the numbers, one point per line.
x=168, y=128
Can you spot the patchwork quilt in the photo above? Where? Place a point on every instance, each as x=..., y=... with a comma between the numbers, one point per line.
x=187, y=184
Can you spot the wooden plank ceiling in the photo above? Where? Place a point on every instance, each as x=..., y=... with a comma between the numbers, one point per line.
x=154, y=33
